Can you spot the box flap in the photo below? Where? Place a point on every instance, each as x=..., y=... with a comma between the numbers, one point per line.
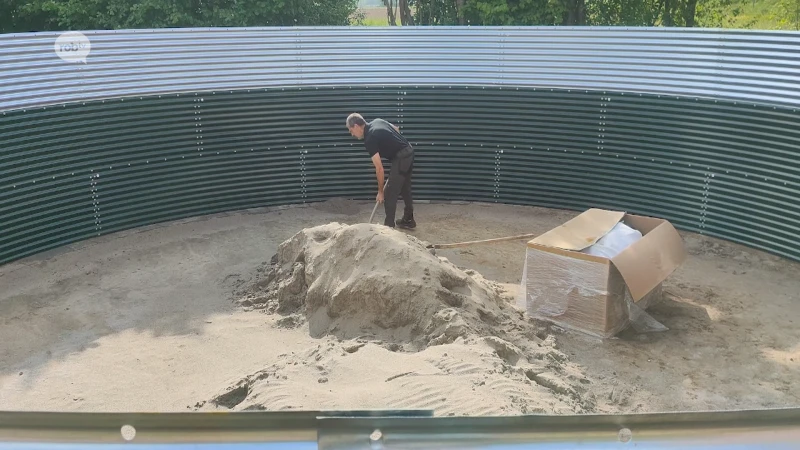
x=581, y=231
x=651, y=259
x=642, y=223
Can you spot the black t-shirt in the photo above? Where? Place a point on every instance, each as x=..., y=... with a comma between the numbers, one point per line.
x=381, y=137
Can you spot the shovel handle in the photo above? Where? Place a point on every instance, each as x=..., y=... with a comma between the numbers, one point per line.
x=485, y=241
x=375, y=208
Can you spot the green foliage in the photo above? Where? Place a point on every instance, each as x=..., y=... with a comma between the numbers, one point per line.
x=677, y=13
x=41, y=15
x=680, y=13
x=488, y=12
x=787, y=14
x=717, y=13
x=17, y=15
x=520, y=12
x=755, y=14
x=435, y=12
x=634, y=13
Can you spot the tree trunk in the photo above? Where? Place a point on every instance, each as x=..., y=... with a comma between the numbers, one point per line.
x=576, y=13
x=390, y=12
x=667, y=13
x=406, y=18
x=460, y=11
x=691, y=8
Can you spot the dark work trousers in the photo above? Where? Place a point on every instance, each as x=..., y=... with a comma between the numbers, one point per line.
x=399, y=183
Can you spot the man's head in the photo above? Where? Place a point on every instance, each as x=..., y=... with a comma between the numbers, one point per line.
x=356, y=124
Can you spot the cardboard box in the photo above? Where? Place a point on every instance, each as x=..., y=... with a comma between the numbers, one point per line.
x=594, y=294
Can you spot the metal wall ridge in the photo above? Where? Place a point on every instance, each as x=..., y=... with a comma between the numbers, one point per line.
x=700, y=127
x=741, y=65
x=720, y=168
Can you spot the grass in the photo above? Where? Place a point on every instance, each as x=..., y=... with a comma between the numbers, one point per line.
x=756, y=15
x=375, y=17
x=372, y=22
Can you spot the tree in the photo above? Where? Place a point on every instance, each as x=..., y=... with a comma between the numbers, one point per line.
x=683, y=13
x=489, y=12
x=623, y=12
x=575, y=12
x=390, y=12
x=716, y=13
x=18, y=15
x=788, y=14
x=49, y=15
x=406, y=18
x=437, y=12
x=668, y=13
x=404, y=7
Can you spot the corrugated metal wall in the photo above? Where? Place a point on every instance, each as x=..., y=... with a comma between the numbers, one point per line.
x=188, y=122
x=737, y=65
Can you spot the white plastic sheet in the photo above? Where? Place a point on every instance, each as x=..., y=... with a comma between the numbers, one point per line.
x=614, y=242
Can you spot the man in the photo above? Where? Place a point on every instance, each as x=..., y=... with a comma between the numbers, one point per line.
x=383, y=140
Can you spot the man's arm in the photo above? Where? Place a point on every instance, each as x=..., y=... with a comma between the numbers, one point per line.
x=376, y=160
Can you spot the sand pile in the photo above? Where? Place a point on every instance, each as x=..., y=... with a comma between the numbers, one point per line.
x=450, y=379
x=413, y=329
x=357, y=280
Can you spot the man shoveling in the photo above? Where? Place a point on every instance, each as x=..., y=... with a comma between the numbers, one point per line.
x=383, y=140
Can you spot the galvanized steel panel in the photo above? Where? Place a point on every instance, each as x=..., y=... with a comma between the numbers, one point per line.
x=268, y=128
x=747, y=156
x=46, y=190
x=741, y=65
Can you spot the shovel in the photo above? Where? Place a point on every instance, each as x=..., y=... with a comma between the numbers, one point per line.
x=377, y=202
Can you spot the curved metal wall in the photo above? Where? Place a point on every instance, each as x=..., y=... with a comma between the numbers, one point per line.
x=189, y=122
x=761, y=67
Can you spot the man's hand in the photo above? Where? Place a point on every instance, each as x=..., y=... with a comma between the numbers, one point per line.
x=379, y=197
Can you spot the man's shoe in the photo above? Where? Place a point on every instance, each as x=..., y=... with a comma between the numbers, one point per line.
x=406, y=223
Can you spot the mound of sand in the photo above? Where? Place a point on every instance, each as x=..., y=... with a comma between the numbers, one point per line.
x=413, y=329
x=357, y=280
x=451, y=379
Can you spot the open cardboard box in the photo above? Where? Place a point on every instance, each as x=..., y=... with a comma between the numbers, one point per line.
x=594, y=294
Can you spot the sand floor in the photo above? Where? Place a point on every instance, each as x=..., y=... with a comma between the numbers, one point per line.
x=143, y=320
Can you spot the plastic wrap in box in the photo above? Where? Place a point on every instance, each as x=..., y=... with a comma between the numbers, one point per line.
x=579, y=294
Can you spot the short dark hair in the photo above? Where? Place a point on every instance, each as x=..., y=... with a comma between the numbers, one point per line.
x=355, y=119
